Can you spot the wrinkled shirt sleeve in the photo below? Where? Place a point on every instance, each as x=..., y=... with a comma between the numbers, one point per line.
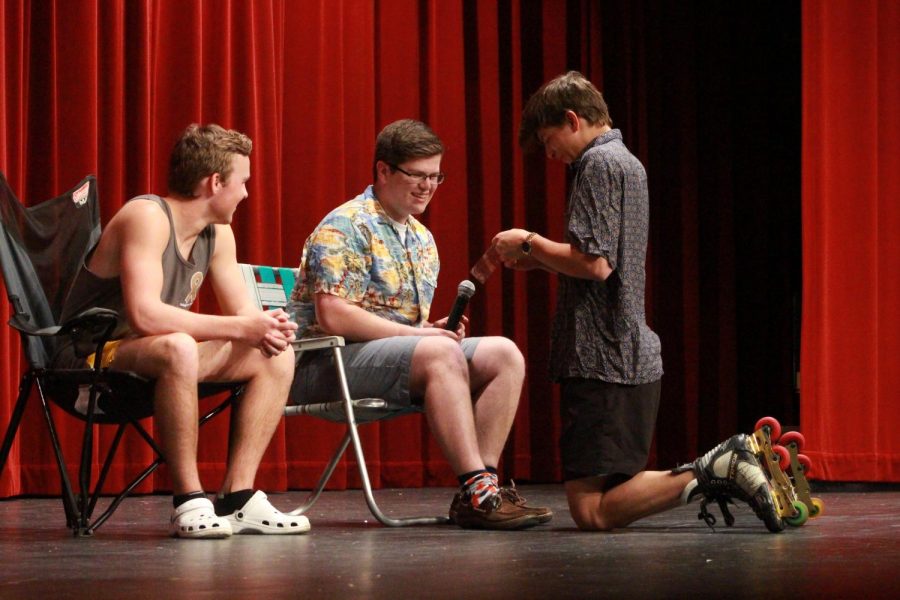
x=338, y=260
x=595, y=213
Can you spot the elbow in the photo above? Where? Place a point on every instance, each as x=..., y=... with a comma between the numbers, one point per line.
x=143, y=323
x=601, y=271
x=327, y=325
x=329, y=315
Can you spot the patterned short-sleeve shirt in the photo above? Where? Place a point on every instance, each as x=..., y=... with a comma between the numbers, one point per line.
x=357, y=253
x=600, y=329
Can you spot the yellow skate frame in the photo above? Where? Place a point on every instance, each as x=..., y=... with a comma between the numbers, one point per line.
x=783, y=492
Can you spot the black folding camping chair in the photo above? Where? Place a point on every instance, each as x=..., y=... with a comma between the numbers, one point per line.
x=42, y=248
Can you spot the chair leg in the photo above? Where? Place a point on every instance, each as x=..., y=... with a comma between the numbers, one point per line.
x=85, y=467
x=370, y=495
x=110, y=454
x=16, y=418
x=323, y=480
x=68, y=495
x=111, y=508
x=361, y=461
x=114, y=504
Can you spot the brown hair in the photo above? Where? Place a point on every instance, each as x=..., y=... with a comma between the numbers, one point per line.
x=547, y=107
x=403, y=140
x=201, y=151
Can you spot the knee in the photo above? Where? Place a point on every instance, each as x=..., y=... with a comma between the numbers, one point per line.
x=440, y=356
x=586, y=508
x=502, y=356
x=281, y=367
x=179, y=354
x=510, y=355
x=589, y=519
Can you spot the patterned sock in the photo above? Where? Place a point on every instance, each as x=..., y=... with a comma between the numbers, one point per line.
x=480, y=487
x=182, y=498
x=229, y=503
x=493, y=472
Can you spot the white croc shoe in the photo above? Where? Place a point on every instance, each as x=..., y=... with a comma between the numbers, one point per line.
x=197, y=519
x=259, y=516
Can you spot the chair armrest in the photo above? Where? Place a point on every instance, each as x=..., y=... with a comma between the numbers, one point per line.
x=317, y=343
x=20, y=323
x=95, y=324
x=94, y=321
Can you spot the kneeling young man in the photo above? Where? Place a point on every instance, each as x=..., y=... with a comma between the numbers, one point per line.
x=603, y=353
x=368, y=273
x=148, y=265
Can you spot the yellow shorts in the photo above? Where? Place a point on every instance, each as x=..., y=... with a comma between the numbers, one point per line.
x=109, y=354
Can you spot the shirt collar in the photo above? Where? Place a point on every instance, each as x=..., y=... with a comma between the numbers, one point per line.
x=411, y=222
x=603, y=138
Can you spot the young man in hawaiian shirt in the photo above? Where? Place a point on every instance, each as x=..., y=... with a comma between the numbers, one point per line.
x=368, y=273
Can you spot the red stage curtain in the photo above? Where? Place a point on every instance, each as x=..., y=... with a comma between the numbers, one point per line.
x=105, y=88
x=850, y=386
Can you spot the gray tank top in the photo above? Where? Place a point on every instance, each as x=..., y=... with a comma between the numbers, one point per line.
x=182, y=278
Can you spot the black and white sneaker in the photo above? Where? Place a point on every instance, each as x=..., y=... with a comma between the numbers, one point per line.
x=731, y=470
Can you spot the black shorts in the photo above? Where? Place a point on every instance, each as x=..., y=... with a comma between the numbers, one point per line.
x=607, y=428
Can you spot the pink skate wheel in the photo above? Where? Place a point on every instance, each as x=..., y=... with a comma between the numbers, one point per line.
x=773, y=425
x=805, y=462
x=793, y=436
x=784, y=457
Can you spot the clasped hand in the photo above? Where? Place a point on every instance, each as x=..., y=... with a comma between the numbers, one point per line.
x=274, y=332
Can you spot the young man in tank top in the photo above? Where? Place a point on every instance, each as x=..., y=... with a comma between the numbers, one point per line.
x=149, y=264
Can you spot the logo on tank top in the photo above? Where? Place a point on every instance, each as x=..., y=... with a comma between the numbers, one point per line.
x=80, y=196
x=196, y=281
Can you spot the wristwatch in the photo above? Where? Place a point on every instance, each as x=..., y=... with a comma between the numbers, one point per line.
x=526, y=245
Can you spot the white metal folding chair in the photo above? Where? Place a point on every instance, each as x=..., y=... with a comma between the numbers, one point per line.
x=269, y=288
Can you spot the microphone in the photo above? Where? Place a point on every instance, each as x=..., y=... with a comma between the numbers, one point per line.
x=465, y=291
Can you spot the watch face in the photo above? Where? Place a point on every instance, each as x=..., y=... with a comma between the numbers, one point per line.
x=526, y=247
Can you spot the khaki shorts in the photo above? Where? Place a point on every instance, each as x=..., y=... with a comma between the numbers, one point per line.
x=376, y=369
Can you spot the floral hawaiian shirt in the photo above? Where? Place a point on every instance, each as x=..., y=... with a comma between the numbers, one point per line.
x=356, y=253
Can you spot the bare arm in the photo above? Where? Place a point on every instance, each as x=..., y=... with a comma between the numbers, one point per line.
x=231, y=293
x=555, y=256
x=142, y=232
x=337, y=316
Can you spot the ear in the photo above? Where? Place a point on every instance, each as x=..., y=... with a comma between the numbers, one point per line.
x=382, y=169
x=215, y=182
x=207, y=186
x=573, y=121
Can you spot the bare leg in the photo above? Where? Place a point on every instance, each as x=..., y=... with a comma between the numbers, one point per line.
x=439, y=374
x=261, y=406
x=178, y=362
x=172, y=360
x=645, y=494
x=497, y=372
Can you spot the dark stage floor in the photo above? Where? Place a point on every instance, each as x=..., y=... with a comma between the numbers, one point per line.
x=853, y=551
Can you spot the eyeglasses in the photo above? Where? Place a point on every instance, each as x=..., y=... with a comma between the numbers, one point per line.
x=435, y=178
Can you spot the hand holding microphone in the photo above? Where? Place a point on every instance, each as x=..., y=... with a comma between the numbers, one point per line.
x=464, y=291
